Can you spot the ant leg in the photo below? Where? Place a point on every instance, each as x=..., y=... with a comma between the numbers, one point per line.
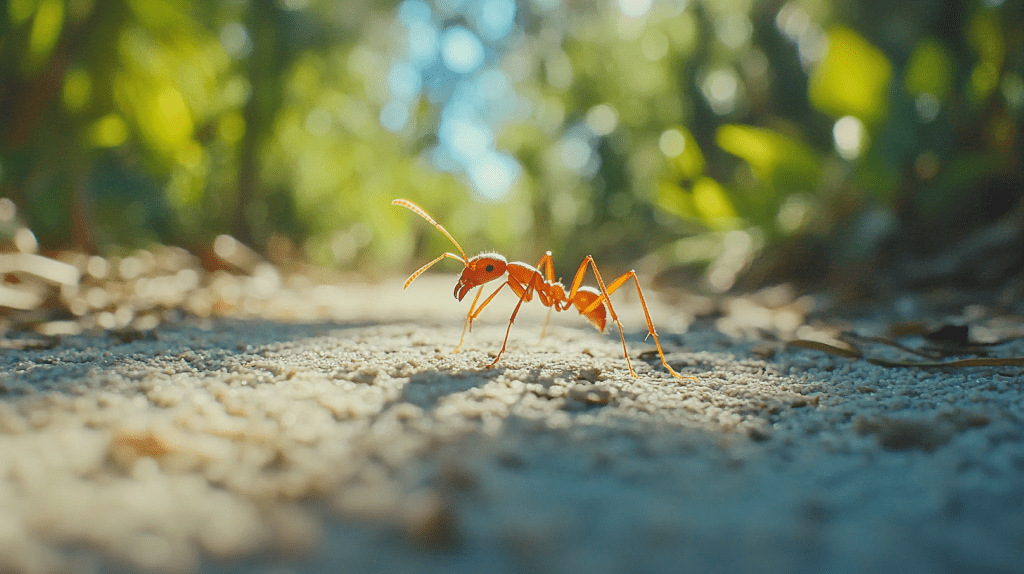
x=577, y=281
x=474, y=313
x=485, y=303
x=469, y=319
x=544, y=329
x=524, y=297
x=605, y=297
x=650, y=324
x=546, y=266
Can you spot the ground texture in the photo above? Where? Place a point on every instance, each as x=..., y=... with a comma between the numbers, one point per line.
x=332, y=429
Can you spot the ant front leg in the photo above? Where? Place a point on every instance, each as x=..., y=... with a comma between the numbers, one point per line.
x=469, y=319
x=526, y=295
x=474, y=311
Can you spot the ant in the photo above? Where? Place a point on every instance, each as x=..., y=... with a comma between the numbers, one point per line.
x=525, y=281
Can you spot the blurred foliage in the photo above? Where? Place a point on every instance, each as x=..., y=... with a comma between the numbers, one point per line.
x=692, y=132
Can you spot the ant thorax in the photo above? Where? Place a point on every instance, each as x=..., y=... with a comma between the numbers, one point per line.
x=524, y=273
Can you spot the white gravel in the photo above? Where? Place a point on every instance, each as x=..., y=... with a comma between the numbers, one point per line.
x=359, y=442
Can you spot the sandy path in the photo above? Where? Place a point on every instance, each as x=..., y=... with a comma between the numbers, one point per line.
x=241, y=445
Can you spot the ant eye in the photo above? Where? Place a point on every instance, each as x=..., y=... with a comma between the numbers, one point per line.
x=490, y=268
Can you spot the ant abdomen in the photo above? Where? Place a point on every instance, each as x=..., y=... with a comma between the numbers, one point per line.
x=585, y=296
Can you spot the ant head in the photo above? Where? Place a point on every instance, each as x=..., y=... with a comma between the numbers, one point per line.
x=479, y=270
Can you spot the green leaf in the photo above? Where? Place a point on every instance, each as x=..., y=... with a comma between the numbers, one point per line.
x=785, y=163
x=852, y=78
x=930, y=70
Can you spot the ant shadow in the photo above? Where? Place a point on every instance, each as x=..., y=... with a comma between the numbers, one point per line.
x=426, y=389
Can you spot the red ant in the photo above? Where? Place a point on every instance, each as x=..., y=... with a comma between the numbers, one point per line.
x=525, y=280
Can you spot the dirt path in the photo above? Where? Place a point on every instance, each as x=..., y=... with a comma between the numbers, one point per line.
x=231, y=445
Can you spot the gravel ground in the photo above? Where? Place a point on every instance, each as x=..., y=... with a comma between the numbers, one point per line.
x=331, y=429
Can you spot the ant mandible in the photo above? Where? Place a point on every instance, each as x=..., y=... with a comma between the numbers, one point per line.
x=525, y=280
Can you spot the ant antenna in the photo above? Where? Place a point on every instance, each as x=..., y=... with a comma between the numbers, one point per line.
x=419, y=211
